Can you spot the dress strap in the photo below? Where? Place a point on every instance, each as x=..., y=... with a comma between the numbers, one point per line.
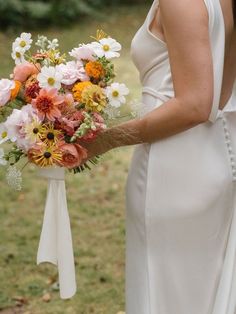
x=217, y=37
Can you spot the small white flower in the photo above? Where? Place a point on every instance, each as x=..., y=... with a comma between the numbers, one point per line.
x=137, y=109
x=23, y=42
x=112, y=112
x=5, y=90
x=18, y=55
x=3, y=133
x=3, y=161
x=14, y=178
x=116, y=94
x=52, y=44
x=107, y=47
x=41, y=42
x=50, y=77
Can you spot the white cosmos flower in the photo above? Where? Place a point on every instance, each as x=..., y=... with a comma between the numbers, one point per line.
x=3, y=161
x=18, y=55
x=5, y=90
x=107, y=47
x=50, y=77
x=116, y=94
x=3, y=133
x=23, y=42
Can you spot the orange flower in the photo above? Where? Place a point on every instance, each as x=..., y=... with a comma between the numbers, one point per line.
x=94, y=69
x=44, y=156
x=47, y=103
x=15, y=91
x=78, y=89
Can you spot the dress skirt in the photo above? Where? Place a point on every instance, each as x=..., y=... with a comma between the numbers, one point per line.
x=180, y=228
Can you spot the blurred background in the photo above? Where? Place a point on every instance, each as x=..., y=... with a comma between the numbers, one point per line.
x=96, y=198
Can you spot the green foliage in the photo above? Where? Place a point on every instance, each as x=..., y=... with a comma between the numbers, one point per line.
x=30, y=13
x=26, y=13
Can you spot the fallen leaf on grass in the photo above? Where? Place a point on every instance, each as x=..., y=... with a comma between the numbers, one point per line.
x=51, y=280
x=46, y=297
x=20, y=300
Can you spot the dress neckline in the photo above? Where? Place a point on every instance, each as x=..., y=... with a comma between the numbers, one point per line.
x=150, y=20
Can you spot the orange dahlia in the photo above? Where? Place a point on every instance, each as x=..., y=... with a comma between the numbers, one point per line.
x=47, y=103
x=95, y=69
x=78, y=89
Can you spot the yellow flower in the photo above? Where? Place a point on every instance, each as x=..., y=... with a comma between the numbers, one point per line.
x=94, y=98
x=55, y=58
x=78, y=89
x=33, y=130
x=49, y=135
x=44, y=156
x=100, y=34
x=94, y=69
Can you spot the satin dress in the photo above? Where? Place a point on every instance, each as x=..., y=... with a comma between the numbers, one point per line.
x=181, y=195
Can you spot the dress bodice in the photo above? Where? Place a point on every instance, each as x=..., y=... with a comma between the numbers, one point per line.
x=150, y=55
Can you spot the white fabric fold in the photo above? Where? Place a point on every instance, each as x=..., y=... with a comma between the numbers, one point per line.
x=55, y=244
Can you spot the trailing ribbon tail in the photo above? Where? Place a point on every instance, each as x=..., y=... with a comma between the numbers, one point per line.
x=55, y=244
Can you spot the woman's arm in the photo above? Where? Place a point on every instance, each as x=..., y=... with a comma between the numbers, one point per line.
x=185, y=24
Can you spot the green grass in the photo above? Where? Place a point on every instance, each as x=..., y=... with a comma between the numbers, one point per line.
x=96, y=203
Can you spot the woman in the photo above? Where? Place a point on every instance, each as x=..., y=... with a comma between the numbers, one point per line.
x=181, y=195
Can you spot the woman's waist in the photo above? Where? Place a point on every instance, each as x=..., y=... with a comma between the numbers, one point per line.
x=152, y=99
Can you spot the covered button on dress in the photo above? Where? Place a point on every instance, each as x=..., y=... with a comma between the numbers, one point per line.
x=181, y=195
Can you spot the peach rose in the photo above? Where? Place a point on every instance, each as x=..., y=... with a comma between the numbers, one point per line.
x=72, y=155
x=23, y=71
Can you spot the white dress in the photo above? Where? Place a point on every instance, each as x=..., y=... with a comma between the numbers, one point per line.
x=181, y=195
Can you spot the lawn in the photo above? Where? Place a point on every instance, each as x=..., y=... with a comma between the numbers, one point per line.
x=96, y=203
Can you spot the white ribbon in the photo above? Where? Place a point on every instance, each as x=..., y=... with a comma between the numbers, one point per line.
x=55, y=244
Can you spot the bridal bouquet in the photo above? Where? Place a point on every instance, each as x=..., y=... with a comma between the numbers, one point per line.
x=50, y=105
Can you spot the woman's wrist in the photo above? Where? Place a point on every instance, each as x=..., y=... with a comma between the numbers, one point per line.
x=127, y=133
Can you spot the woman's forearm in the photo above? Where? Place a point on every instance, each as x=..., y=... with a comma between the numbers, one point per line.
x=170, y=118
x=167, y=120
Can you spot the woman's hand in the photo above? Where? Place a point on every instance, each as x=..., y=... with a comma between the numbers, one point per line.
x=120, y=135
x=100, y=145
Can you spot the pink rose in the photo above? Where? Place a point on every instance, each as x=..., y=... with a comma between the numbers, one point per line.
x=72, y=71
x=23, y=71
x=72, y=155
x=84, y=52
